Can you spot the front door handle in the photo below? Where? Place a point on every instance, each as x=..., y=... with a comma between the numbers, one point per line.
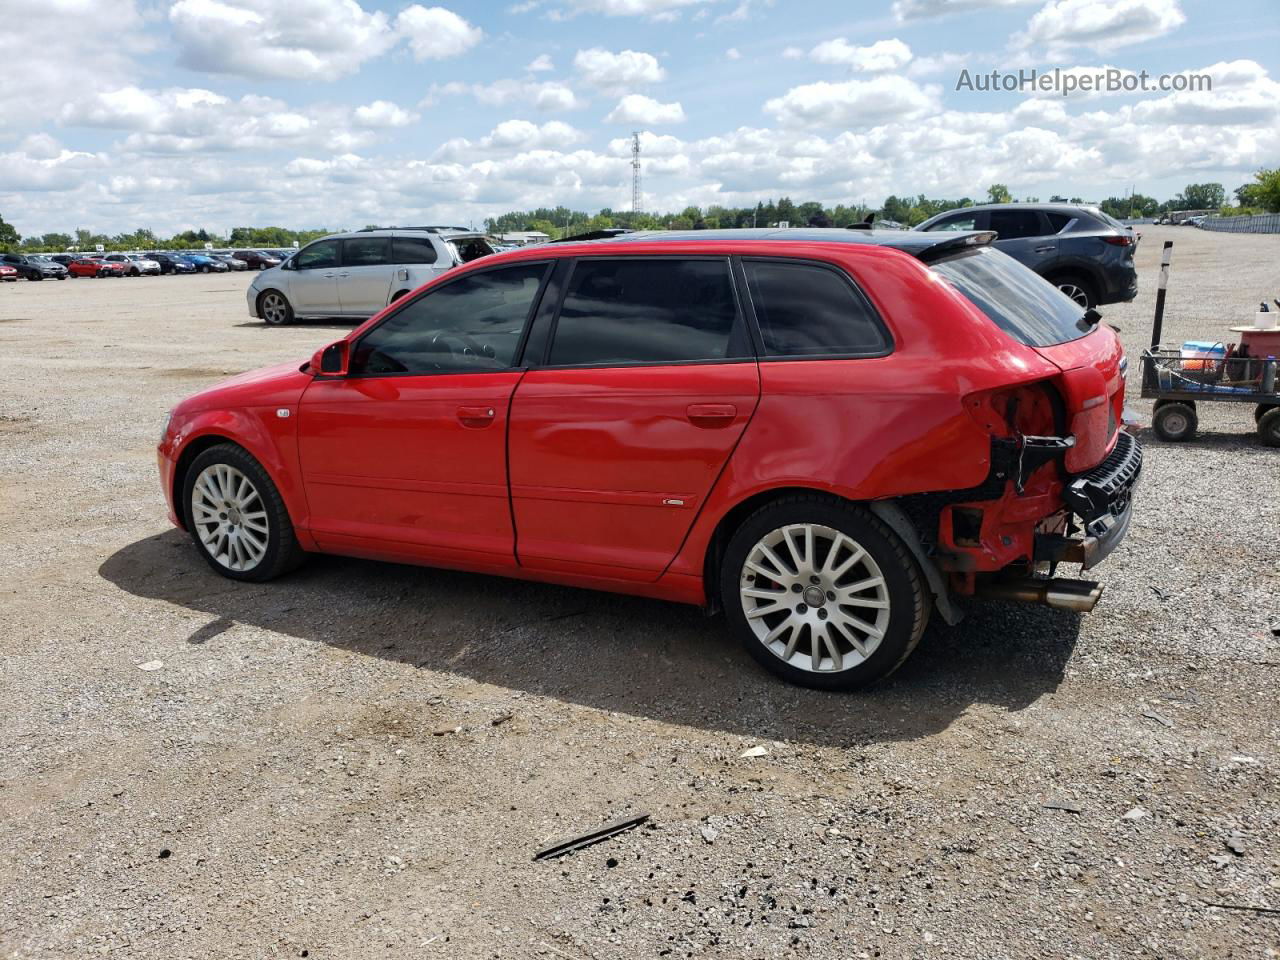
x=711, y=414
x=344, y=274
x=475, y=417
x=1046, y=249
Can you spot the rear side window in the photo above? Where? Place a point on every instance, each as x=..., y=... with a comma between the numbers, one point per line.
x=648, y=311
x=1059, y=221
x=1018, y=300
x=412, y=250
x=1016, y=224
x=364, y=251
x=806, y=310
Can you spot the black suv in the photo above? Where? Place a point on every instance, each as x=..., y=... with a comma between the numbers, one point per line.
x=1082, y=251
x=35, y=267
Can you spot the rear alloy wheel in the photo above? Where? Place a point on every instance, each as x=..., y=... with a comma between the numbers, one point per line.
x=822, y=593
x=1175, y=422
x=1269, y=427
x=1079, y=290
x=236, y=516
x=274, y=308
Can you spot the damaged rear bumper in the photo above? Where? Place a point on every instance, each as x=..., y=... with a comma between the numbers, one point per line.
x=1103, y=501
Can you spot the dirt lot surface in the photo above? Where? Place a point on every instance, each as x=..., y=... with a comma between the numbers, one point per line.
x=317, y=769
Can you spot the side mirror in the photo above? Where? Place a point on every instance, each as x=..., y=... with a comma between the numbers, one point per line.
x=331, y=361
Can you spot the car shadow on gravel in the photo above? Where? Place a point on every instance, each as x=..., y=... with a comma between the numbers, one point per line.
x=641, y=657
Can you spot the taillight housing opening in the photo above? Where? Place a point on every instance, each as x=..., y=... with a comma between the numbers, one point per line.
x=1120, y=240
x=1033, y=409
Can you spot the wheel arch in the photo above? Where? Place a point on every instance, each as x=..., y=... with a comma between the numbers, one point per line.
x=194, y=447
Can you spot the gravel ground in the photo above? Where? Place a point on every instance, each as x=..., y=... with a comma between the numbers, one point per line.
x=317, y=768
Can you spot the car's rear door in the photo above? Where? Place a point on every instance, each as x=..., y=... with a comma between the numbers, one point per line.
x=1024, y=235
x=632, y=405
x=364, y=275
x=407, y=455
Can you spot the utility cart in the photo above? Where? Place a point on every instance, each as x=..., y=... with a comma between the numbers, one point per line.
x=1179, y=378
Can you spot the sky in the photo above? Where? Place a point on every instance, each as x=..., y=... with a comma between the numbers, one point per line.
x=184, y=114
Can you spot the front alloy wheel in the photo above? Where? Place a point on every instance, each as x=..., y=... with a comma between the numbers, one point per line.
x=822, y=593
x=230, y=517
x=236, y=516
x=275, y=309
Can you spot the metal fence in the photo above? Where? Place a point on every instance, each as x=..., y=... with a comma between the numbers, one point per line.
x=1263, y=223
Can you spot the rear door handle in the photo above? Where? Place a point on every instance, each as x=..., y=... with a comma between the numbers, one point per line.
x=344, y=274
x=476, y=416
x=711, y=414
x=1045, y=249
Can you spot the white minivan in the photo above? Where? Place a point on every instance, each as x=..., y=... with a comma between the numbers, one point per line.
x=357, y=274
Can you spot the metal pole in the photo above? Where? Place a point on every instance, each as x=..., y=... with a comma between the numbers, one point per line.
x=1158, y=324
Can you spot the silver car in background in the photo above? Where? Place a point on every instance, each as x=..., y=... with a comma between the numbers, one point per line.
x=357, y=274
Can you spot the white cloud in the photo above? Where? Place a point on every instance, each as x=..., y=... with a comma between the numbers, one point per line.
x=854, y=103
x=644, y=111
x=382, y=114
x=192, y=120
x=938, y=63
x=632, y=8
x=543, y=95
x=435, y=33
x=50, y=48
x=615, y=71
x=793, y=53
x=512, y=136
x=1100, y=24
x=288, y=39
x=929, y=9
x=879, y=56
x=540, y=64
x=732, y=54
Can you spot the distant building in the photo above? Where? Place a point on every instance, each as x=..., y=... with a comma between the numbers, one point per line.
x=524, y=238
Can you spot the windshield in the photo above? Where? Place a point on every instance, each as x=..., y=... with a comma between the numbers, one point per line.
x=1017, y=300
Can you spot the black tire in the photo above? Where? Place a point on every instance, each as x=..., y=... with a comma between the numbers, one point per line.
x=262, y=266
x=1269, y=427
x=1175, y=422
x=271, y=315
x=282, y=552
x=908, y=599
x=204, y=269
x=1079, y=288
x=135, y=272
x=1261, y=409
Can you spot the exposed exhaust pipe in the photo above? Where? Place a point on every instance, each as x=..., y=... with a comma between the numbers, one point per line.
x=1061, y=594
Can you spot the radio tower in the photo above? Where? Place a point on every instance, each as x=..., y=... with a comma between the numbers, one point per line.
x=635, y=172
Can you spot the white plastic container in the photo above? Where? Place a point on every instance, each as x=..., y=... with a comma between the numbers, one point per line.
x=1265, y=319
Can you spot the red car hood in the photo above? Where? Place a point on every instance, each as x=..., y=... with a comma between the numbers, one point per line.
x=279, y=385
x=1093, y=390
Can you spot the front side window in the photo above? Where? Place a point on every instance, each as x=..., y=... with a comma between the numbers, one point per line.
x=470, y=325
x=808, y=310
x=321, y=254
x=365, y=251
x=965, y=221
x=648, y=311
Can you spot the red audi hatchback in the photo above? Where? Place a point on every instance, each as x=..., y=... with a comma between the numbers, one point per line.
x=827, y=434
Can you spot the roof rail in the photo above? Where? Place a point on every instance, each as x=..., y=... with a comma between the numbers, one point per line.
x=432, y=229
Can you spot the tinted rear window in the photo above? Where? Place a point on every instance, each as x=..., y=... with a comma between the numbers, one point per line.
x=808, y=310
x=1018, y=300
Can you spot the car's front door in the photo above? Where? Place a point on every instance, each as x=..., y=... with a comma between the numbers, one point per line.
x=617, y=437
x=365, y=275
x=313, y=280
x=1024, y=235
x=408, y=453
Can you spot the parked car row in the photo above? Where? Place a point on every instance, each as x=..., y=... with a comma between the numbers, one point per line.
x=59, y=266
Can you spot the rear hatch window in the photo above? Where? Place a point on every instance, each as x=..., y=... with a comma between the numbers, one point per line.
x=1017, y=300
